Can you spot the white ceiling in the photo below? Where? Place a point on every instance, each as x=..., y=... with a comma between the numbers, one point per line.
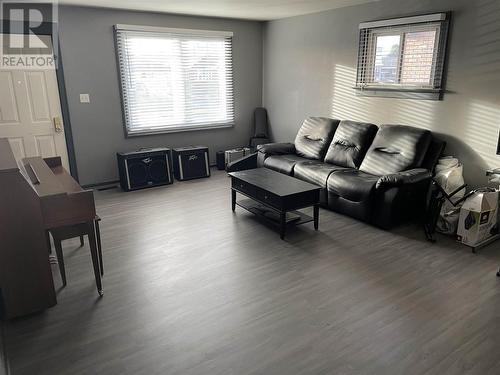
x=244, y=9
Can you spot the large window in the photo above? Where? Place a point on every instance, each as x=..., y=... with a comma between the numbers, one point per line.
x=404, y=55
x=174, y=79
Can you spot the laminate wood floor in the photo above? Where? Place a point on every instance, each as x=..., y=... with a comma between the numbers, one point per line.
x=191, y=288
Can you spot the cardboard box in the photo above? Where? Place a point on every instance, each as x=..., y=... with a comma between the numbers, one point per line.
x=478, y=218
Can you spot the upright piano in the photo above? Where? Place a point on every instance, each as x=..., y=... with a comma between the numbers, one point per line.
x=35, y=195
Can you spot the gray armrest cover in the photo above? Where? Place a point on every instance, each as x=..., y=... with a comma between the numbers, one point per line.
x=411, y=176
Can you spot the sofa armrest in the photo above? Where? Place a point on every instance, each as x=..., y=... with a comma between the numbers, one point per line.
x=247, y=162
x=409, y=177
x=276, y=148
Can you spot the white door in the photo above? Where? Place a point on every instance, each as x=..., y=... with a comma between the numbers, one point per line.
x=30, y=112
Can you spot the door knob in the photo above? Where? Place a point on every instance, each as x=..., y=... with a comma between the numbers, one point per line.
x=58, y=125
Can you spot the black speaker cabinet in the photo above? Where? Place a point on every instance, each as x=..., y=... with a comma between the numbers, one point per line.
x=191, y=162
x=220, y=158
x=145, y=168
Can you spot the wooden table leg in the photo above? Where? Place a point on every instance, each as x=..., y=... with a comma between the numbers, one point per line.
x=99, y=246
x=282, y=225
x=316, y=216
x=60, y=259
x=233, y=199
x=95, y=257
x=47, y=238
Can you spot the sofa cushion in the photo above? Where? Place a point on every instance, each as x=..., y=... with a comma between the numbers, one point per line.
x=315, y=172
x=396, y=148
x=314, y=136
x=352, y=184
x=350, y=143
x=283, y=163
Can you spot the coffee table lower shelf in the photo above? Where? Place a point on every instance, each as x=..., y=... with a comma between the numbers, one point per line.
x=273, y=215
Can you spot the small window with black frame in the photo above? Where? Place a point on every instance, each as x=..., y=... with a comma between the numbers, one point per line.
x=403, y=57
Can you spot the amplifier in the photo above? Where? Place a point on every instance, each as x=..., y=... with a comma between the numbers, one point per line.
x=236, y=154
x=145, y=168
x=191, y=162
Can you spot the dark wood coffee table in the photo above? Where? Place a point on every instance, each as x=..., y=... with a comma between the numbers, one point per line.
x=275, y=197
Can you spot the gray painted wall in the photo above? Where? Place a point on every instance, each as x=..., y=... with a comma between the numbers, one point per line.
x=310, y=64
x=88, y=55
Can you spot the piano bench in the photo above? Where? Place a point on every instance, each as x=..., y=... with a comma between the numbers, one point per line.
x=90, y=229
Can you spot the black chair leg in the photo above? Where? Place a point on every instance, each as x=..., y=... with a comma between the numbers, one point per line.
x=60, y=259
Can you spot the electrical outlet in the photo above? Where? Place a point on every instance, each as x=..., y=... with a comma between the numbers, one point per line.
x=84, y=98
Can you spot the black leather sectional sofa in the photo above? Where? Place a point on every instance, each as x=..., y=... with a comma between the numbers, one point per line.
x=379, y=175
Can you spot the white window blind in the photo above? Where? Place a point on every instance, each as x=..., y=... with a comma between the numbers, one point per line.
x=405, y=54
x=174, y=79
